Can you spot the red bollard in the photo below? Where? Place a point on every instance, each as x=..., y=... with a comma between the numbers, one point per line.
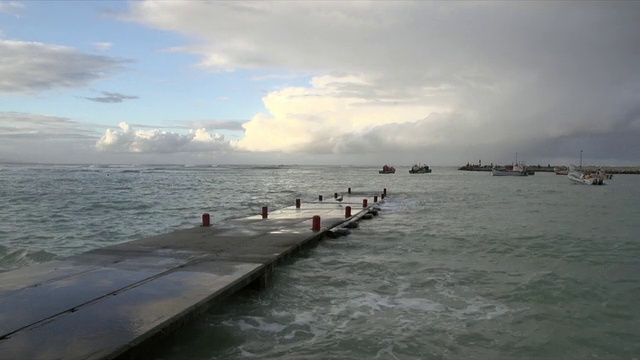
x=335, y=195
x=382, y=196
x=375, y=198
x=349, y=191
x=265, y=212
x=206, y=220
x=316, y=223
x=347, y=212
x=364, y=203
x=297, y=203
x=319, y=197
x=385, y=191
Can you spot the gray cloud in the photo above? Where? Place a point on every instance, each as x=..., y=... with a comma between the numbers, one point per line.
x=215, y=125
x=514, y=75
x=16, y=125
x=111, y=98
x=233, y=125
x=32, y=67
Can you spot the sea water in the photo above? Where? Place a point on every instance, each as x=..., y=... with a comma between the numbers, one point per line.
x=457, y=265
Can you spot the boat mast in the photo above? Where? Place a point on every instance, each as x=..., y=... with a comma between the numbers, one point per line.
x=580, y=159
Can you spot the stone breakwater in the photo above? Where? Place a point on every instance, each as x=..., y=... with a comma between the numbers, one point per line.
x=608, y=169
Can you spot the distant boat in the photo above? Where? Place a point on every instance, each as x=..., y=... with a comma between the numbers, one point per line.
x=580, y=177
x=387, y=170
x=419, y=169
x=513, y=170
x=561, y=170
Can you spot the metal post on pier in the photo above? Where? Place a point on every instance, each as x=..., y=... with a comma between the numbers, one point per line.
x=316, y=223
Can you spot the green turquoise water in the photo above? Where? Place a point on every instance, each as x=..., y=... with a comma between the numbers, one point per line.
x=457, y=265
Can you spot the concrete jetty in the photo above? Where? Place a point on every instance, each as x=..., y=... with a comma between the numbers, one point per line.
x=117, y=302
x=549, y=168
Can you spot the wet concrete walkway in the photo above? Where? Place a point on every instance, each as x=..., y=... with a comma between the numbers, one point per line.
x=115, y=302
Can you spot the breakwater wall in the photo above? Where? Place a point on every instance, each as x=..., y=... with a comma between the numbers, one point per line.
x=608, y=169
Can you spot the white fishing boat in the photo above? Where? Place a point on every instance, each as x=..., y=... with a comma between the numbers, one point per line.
x=515, y=170
x=511, y=170
x=579, y=177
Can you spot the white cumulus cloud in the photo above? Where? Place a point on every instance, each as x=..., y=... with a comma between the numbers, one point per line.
x=318, y=119
x=128, y=140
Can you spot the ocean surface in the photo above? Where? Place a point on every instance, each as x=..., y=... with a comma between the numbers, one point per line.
x=459, y=265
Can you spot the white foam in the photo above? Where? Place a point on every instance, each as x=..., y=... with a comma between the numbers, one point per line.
x=261, y=325
x=419, y=304
x=304, y=318
x=245, y=353
x=386, y=353
x=481, y=308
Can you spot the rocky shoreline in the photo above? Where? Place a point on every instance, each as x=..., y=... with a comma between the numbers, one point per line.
x=536, y=168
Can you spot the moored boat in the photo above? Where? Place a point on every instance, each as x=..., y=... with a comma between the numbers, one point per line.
x=511, y=170
x=387, y=170
x=579, y=177
x=419, y=169
x=561, y=170
x=515, y=170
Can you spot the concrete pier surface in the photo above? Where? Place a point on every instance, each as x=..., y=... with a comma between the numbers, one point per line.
x=116, y=302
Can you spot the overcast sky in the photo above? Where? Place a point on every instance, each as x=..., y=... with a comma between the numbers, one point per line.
x=327, y=82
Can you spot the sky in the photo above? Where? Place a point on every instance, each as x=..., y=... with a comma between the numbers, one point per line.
x=320, y=82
